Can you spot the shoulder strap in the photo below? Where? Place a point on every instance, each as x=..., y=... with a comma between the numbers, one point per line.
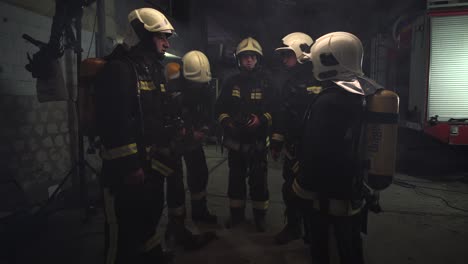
x=138, y=94
x=139, y=112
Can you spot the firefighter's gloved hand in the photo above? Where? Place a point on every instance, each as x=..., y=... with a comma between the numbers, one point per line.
x=182, y=132
x=199, y=136
x=253, y=122
x=230, y=127
x=204, y=129
x=275, y=154
x=275, y=149
x=135, y=177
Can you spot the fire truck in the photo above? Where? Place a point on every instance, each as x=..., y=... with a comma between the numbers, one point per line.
x=426, y=62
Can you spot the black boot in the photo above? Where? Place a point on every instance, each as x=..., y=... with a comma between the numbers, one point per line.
x=259, y=217
x=178, y=232
x=288, y=234
x=291, y=231
x=237, y=217
x=201, y=214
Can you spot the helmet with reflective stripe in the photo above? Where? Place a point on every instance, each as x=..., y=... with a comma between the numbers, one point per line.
x=337, y=56
x=196, y=67
x=299, y=43
x=152, y=19
x=145, y=21
x=249, y=44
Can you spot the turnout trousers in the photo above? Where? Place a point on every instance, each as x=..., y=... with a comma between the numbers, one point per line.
x=197, y=172
x=132, y=216
x=253, y=167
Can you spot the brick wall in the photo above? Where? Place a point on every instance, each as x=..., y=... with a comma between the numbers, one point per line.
x=35, y=138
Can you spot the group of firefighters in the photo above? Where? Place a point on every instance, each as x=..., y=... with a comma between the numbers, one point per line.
x=150, y=116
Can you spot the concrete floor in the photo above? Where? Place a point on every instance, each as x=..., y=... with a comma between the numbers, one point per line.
x=415, y=227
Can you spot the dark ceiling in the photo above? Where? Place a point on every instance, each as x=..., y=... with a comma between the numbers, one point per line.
x=270, y=20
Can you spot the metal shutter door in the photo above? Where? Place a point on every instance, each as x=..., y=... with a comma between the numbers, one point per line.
x=448, y=72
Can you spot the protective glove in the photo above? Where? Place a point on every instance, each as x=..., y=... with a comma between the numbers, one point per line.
x=182, y=132
x=230, y=128
x=275, y=149
x=253, y=122
x=199, y=136
x=275, y=154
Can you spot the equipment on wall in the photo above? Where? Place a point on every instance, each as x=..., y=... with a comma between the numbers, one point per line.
x=44, y=65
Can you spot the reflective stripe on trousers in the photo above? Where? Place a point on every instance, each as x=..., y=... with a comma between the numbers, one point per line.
x=335, y=207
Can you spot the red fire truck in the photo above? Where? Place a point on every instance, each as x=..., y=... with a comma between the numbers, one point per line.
x=428, y=68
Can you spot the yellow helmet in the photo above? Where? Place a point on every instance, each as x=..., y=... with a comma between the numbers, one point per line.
x=249, y=44
x=196, y=67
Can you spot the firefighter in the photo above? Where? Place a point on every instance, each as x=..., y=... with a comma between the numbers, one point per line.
x=244, y=111
x=128, y=109
x=185, y=117
x=195, y=103
x=299, y=89
x=330, y=183
x=197, y=116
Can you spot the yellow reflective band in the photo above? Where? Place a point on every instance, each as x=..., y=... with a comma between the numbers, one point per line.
x=147, y=85
x=148, y=153
x=335, y=207
x=163, y=87
x=236, y=93
x=119, y=152
x=151, y=243
x=256, y=96
x=222, y=117
x=267, y=142
x=178, y=211
x=295, y=167
x=277, y=137
x=314, y=89
x=261, y=205
x=161, y=168
x=197, y=196
x=269, y=118
x=111, y=218
x=236, y=203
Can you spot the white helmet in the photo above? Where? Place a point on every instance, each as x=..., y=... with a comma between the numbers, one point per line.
x=299, y=43
x=249, y=44
x=147, y=19
x=337, y=56
x=196, y=67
